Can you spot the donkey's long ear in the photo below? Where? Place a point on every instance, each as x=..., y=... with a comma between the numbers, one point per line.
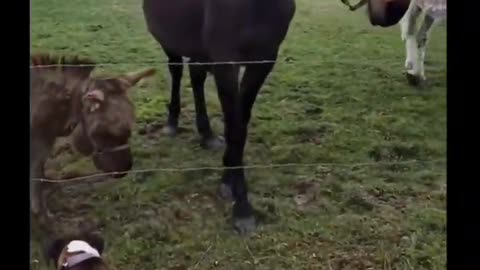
x=132, y=78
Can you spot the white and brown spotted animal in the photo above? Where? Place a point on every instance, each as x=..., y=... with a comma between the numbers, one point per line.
x=416, y=40
x=65, y=99
x=387, y=13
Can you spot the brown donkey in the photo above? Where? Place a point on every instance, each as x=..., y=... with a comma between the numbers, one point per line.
x=66, y=100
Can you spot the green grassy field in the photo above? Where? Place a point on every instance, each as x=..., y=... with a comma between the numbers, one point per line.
x=337, y=95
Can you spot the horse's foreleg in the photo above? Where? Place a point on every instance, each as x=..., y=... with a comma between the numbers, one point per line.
x=176, y=71
x=422, y=40
x=234, y=183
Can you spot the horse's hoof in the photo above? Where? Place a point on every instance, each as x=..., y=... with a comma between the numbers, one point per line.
x=226, y=192
x=413, y=80
x=169, y=130
x=213, y=143
x=245, y=226
x=243, y=218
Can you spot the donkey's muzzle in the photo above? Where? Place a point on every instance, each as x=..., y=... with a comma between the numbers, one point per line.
x=118, y=162
x=386, y=13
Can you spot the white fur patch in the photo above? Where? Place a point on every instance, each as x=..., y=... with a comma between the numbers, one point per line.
x=412, y=55
x=77, y=245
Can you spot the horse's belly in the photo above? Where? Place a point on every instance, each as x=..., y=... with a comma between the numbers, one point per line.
x=176, y=26
x=180, y=45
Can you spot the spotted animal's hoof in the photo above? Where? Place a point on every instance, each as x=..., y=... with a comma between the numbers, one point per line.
x=414, y=80
x=213, y=143
x=169, y=131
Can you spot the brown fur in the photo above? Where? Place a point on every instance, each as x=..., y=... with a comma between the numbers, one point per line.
x=66, y=99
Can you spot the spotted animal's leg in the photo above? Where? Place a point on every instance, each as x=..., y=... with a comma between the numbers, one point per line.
x=408, y=27
x=422, y=40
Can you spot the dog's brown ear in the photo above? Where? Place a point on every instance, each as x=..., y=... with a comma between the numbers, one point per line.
x=52, y=249
x=96, y=241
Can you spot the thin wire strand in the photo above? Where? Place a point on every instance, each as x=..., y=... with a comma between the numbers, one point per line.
x=284, y=61
x=259, y=166
x=163, y=63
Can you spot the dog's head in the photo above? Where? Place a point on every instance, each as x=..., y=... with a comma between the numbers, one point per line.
x=76, y=252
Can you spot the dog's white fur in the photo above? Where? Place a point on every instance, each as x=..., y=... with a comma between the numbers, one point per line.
x=77, y=245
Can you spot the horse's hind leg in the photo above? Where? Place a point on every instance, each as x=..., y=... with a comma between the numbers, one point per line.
x=175, y=66
x=198, y=74
x=422, y=40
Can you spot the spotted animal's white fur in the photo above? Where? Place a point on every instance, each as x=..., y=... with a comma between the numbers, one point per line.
x=416, y=41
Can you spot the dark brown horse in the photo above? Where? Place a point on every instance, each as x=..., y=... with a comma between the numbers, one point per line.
x=221, y=31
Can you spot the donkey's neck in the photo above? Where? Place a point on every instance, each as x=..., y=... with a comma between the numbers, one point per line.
x=56, y=85
x=76, y=107
x=56, y=105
